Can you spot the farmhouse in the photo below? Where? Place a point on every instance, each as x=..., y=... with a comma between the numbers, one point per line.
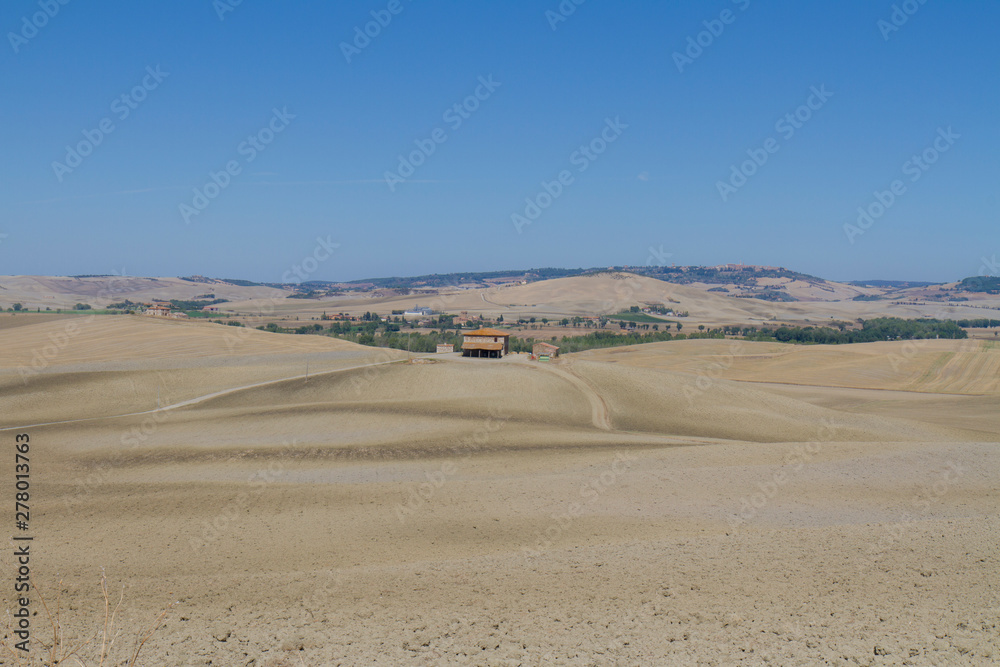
x=158, y=310
x=547, y=350
x=485, y=343
x=444, y=348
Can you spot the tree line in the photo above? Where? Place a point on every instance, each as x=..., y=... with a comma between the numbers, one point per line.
x=878, y=329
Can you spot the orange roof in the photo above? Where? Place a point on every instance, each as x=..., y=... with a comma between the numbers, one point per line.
x=487, y=332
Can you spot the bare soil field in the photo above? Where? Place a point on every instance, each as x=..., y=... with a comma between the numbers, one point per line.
x=666, y=504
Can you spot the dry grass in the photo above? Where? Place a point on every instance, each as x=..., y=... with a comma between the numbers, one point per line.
x=103, y=647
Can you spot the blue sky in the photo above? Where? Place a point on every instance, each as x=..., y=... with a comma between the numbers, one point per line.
x=279, y=72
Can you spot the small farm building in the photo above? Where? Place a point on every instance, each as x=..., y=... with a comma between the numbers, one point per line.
x=545, y=350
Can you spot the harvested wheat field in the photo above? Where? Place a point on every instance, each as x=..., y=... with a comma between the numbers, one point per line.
x=966, y=366
x=666, y=504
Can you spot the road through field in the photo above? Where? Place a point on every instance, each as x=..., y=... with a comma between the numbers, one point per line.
x=600, y=415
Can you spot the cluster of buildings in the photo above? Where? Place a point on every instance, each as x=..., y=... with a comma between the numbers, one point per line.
x=484, y=343
x=162, y=309
x=494, y=344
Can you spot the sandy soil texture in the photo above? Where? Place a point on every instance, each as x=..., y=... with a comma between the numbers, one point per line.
x=667, y=504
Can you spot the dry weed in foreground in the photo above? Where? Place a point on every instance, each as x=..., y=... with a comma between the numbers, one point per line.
x=96, y=651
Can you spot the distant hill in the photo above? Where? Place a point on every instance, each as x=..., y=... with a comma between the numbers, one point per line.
x=735, y=283
x=898, y=284
x=738, y=274
x=765, y=280
x=765, y=283
x=65, y=292
x=479, y=278
x=722, y=275
x=989, y=284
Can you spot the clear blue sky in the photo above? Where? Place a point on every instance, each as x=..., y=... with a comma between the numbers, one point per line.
x=656, y=185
